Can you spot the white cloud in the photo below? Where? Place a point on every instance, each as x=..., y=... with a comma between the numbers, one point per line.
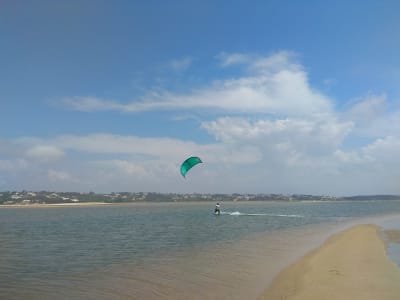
x=276, y=84
x=385, y=151
x=129, y=167
x=156, y=149
x=372, y=118
x=283, y=155
x=118, y=144
x=308, y=136
x=138, y=169
x=275, y=63
x=387, y=125
x=229, y=59
x=368, y=109
x=44, y=153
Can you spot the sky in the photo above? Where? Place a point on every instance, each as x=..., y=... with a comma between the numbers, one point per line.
x=289, y=97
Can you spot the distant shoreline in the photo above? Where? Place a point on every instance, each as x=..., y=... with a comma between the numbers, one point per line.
x=155, y=203
x=144, y=203
x=67, y=198
x=37, y=205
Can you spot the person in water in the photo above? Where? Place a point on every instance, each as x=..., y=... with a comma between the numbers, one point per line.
x=217, y=209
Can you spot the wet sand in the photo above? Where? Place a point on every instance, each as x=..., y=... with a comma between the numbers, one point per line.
x=350, y=265
x=393, y=236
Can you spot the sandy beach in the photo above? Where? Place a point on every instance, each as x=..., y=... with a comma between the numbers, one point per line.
x=350, y=265
x=37, y=205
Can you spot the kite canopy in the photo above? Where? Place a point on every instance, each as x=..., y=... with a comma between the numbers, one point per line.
x=188, y=164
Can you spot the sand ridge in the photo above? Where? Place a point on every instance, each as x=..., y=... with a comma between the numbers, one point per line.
x=350, y=265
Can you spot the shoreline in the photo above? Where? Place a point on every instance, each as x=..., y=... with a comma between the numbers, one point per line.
x=83, y=204
x=146, y=203
x=352, y=264
x=53, y=205
x=155, y=203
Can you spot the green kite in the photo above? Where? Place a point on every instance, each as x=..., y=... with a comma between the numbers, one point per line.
x=188, y=164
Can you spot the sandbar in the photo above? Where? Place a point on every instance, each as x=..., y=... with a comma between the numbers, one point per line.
x=352, y=265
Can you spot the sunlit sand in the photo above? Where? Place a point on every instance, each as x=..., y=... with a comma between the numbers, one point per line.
x=350, y=265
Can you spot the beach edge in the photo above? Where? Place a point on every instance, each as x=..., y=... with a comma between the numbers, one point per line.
x=352, y=264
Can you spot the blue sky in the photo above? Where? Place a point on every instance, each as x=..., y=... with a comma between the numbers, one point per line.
x=274, y=96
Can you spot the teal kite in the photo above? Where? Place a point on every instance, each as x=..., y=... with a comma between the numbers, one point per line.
x=189, y=163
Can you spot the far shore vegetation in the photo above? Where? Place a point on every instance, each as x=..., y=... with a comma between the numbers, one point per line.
x=48, y=197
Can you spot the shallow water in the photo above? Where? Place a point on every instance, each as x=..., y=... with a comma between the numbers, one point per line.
x=393, y=249
x=172, y=251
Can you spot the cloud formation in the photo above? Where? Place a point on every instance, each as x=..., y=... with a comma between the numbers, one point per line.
x=44, y=153
x=270, y=131
x=275, y=85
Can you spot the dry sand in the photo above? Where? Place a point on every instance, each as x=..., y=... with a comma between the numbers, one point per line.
x=350, y=265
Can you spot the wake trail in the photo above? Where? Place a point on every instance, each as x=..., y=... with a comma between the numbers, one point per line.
x=237, y=213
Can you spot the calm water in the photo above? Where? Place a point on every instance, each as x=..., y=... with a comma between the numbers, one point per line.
x=168, y=251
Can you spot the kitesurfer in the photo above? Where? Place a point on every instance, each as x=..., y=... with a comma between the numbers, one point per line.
x=217, y=210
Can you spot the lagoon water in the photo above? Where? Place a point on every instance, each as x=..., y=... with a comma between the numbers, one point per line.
x=166, y=251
